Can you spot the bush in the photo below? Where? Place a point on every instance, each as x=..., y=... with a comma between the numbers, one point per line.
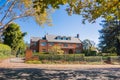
x=91, y=53
x=112, y=54
x=111, y=59
x=109, y=54
x=62, y=57
x=4, y=49
x=93, y=59
x=56, y=50
x=115, y=58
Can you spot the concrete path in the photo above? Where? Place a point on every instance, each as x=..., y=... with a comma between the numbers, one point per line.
x=8, y=64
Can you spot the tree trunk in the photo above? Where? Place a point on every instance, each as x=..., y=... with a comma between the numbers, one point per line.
x=118, y=47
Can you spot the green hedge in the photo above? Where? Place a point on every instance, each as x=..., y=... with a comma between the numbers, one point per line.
x=93, y=59
x=63, y=57
x=5, y=51
x=115, y=58
x=76, y=58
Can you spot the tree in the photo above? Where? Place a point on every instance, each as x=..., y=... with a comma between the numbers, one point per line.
x=56, y=50
x=88, y=47
x=110, y=37
x=13, y=37
x=88, y=44
x=0, y=40
x=40, y=10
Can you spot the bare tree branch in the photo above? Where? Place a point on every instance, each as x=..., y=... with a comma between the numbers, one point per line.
x=10, y=8
x=6, y=25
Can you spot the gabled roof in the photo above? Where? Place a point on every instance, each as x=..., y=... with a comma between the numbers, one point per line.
x=35, y=38
x=52, y=38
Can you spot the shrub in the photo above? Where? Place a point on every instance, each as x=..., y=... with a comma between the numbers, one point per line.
x=109, y=54
x=56, y=50
x=91, y=53
x=93, y=59
x=112, y=54
x=5, y=49
x=115, y=58
x=62, y=57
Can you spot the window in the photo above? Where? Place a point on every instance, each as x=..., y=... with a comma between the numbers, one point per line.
x=69, y=38
x=65, y=45
x=51, y=44
x=70, y=44
x=78, y=45
x=58, y=38
x=60, y=44
x=78, y=51
x=43, y=44
x=35, y=44
x=43, y=50
x=64, y=38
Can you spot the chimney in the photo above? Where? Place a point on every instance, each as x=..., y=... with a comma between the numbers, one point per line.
x=77, y=35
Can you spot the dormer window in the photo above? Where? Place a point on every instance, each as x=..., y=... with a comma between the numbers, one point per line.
x=69, y=38
x=64, y=38
x=61, y=38
x=58, y=38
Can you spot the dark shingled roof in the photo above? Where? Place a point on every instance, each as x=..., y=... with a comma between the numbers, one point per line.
x=35, y=38
x=52, y=38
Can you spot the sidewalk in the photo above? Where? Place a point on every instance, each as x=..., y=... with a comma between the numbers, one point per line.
x=7, y=64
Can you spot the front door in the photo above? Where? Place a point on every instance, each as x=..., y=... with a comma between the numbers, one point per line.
x=70, y=51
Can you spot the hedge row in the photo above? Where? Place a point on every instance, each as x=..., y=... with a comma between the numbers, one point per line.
x=77, y=57
x=64, y=57
x=5, y=51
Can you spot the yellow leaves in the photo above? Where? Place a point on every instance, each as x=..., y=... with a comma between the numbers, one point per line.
x=44, y=18
x=41, y=19
x=109, y=17
x=27, y=3
x=92, y=8
x=56, y=50
x=93, y=49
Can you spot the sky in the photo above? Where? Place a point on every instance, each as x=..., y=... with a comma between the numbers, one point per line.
x=63, y=25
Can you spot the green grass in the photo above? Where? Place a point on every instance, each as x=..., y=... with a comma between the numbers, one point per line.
x=34, y=62
x=5, y=56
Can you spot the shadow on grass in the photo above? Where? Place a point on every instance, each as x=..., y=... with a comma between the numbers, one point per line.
x=47, y=74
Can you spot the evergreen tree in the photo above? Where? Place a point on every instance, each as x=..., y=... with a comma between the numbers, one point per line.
x=110, y=37
x=13, y=37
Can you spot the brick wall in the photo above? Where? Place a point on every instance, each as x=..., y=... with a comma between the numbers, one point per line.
x=39, y=47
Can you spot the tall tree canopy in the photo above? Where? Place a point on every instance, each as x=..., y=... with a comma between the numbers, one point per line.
x=89, y=47
x=40, y=10
x=110, y=37
x=88, y=44
x=13, y=37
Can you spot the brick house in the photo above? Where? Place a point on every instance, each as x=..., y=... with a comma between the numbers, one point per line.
x=68, y=44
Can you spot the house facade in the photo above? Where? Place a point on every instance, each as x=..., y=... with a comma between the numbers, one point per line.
x=68, y=44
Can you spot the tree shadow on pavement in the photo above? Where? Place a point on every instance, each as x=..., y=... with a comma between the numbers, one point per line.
x=52, y=74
